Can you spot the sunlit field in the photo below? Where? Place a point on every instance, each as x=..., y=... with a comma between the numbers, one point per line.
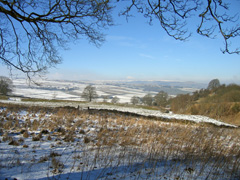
x=67, y=143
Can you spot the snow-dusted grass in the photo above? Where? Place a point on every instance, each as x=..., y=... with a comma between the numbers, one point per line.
x=65, y=143
x=122, y=108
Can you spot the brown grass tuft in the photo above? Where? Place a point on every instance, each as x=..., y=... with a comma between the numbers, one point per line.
x=13, y=142
x=86, y=140
x=25, y=134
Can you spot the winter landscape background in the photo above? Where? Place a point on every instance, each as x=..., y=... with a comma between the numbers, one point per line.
x=124, y=90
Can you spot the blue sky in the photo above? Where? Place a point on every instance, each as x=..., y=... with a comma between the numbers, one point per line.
x=137, y=51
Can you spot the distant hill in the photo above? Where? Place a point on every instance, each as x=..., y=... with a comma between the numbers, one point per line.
x=71, y=90
x=170, y=87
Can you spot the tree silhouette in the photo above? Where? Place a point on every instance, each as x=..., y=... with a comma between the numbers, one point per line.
x=216, y=17
x=161, y=98
x=213, y=84
x=6, y=85
x=135, y=100
x=147, y=99
x=115, y=100
x=89, y=93
x=32, y=31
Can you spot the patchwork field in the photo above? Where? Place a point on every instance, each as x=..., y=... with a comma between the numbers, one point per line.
x=71, y=90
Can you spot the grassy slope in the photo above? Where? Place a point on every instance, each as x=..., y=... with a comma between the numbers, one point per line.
x=166, y=150
x=222, y=103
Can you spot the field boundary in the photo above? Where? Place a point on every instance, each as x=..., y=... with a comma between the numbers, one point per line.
x=153, y=114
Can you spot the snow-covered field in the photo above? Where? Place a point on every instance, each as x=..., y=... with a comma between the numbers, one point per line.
x=65, y=143
x=71, y=90
x=56, y=140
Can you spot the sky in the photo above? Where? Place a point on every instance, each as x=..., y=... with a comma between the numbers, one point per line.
x=135, y=50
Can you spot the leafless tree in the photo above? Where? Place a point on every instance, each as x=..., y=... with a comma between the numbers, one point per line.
x=6, y=85
x=115, y=100
x=215, y=17
x=135, y=100
x=147, y=99
x=160, y=99
x=89, y=93
x=32, y=31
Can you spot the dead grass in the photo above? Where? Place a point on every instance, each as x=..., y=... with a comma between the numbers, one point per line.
x=228, y=112
x=139, y=138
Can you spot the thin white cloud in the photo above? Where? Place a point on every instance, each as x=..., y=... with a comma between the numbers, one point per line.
x=146, y=56
x=126, y=41
x=130, y=78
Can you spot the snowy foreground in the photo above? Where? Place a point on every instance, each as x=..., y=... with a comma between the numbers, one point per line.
x=66, y=143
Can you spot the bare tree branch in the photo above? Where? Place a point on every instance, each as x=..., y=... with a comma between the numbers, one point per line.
x=31, y=31
x=212, y=13
x=216, y=18
x=170, y=13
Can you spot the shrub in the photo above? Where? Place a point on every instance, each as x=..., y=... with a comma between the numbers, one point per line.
x=8, y=125
x=69, y=137
x=232, y=96
x=37, y=138
x=194, y=109
x=35, y=125
x=21, y=140
x=5, y=85
x=49, y=138
x=235, y=108
x=43, y=159
x=57, y=165
x=13, y=142
x=54, y=154
x=6, y=137
x=86, y=140
x=81, y=131
x=181, y=102
x=25, y=134
x=44, y=131
x=61, y=130
x=25, y=146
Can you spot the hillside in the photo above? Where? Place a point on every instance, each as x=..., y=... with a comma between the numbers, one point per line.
x=60, y=139
x=221, y=103
x=67, y=143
